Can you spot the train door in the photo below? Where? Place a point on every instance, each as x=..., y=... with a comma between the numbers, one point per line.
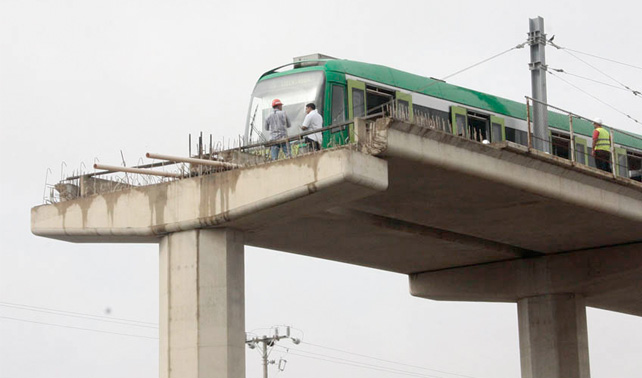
x=497, y=129
x=620, y=161
x=356, y=105
x=581, y=148
x=404, y=105
x=336, y=114
x=459, y=120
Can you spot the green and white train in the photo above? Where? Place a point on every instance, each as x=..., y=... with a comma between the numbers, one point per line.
x=344, y=89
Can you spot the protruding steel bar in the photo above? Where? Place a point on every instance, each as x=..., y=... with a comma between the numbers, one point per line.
x=214, y=163
x=113, y=168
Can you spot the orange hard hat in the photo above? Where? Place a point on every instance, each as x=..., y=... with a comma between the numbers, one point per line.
x=276, y=102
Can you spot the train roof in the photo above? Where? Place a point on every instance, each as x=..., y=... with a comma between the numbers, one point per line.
x=440, y=89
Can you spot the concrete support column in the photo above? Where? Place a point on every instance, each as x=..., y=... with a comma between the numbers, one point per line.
x=553, y=336
x=202, y=304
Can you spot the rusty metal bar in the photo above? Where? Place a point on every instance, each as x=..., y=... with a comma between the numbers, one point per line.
x=214, y=163
x=570, y=127
x=528, y=121
x=113, y=168
x=153, y=165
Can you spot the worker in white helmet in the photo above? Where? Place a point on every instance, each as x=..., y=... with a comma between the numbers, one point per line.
x=601, y=146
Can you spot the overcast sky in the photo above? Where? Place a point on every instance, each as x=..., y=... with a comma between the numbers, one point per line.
x=85, y=80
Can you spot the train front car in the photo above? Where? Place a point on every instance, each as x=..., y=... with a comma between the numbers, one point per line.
x=295, y=88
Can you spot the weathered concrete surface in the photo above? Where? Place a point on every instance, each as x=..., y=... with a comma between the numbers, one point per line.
x=553, y=337
x=467, y=221
x=202, y=305
x=609, y=278
x=434, y=202
x=144, y=214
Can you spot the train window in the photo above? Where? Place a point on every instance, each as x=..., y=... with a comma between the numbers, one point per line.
x=338, y=104
x=438, y=118
x=459, y=120
x=561, y=144
x=402, y=107
x=517, y=136
x=510, y=134
x=404, y=104
x=621, y=161
x=497, y=129
x=478, y=128
x=635, y=165
x=581, y=150
x=358, y=103
x=377, y=98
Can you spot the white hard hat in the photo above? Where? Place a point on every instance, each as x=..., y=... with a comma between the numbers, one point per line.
x=597, y=120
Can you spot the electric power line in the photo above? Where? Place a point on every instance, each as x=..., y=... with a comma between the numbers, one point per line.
x=79, y=315
x=342, y=361
x=364, y=365
x=78, y=328
x=384, y=360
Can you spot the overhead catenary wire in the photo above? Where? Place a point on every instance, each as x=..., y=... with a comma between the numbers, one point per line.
x=77, y=328
x=436, y=81
x=521, y=45
x=635, y=92
x=594, y=97
x=595, y=56
x=563, y=71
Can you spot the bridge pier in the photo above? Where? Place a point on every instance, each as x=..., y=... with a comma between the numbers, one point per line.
x=551, y=293
x=553, y=336
x=202, y=304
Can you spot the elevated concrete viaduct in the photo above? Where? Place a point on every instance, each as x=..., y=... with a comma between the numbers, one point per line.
x=465, y=221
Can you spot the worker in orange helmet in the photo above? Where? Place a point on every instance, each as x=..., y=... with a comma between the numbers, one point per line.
x=277, y=123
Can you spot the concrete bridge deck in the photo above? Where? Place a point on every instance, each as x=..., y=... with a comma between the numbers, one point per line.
x=466, y=221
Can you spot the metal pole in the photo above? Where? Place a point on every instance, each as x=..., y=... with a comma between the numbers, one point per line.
x=612, y=151
x=265, y=359
x=112, y=168
x=537, y=66
x=570, y=127
x=528, y=121
x=195, y=161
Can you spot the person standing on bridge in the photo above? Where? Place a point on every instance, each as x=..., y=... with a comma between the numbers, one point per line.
x=601, y=146
x=277, y=123
x=313, y=121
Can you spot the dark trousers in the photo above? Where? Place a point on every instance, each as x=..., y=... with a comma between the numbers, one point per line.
x=603, y=160
x=314, y=145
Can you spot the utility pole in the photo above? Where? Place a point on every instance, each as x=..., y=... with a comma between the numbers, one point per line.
x=537, y=41
x=269, y=341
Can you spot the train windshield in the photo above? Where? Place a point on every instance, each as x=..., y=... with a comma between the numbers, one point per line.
x=294, y=91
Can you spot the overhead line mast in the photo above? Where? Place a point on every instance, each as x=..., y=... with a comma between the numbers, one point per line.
x=537, y=41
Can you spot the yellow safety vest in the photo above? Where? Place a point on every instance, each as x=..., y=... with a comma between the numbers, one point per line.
x=603, y=140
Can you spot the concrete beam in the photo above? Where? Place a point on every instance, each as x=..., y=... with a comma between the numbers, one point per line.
x=592, y=273
x=202, y=305
x=146, y=213
x=566, y=182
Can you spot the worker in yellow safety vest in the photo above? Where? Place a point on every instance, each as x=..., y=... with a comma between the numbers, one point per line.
x=601, y=146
